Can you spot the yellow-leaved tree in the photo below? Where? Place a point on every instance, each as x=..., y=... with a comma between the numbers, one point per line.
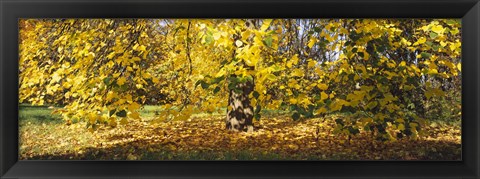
x=386, y=73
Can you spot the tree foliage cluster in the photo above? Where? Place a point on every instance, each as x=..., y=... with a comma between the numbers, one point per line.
x=391, y=75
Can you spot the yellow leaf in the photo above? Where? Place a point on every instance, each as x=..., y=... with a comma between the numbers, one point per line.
x=294, y=60
x=336, y=106
x=312, y=42
x=146, y=75
x=432, y=71
x=142, y=48
x=111, y=55
x=220, y=73
x=421, y=41
x=297, y=72
x=92, y=118
x=448, y=64
x=123, y=121
x=133, y=106
x=134, y=115
x=271, y=77
x=322, y=86
x=293, y=101
x=155, y=80
x=136, y=59
x=238, y=43
x=56, y=77
x=321, y=110
x=111, y=95
x=425, y=28
x=367, y=120
x=266, y=24
x=121, y=81
x=251, y=62
x=311, y=63
x=217, y=36
x=112, y=122
x=437, y=29
x=452, y=47
x=323, y=96
x=443, y=44
x=332, y=95
x=289, y=64
x=110, y=64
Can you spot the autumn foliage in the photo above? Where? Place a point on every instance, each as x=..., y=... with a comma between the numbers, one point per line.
x=390, y=76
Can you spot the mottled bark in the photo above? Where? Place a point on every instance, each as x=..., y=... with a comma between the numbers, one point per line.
x=240, y=112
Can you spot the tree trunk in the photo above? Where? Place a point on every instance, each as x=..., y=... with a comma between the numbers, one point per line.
x=240, y=112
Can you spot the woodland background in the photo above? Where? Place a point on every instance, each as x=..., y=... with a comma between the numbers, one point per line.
x=240, y=89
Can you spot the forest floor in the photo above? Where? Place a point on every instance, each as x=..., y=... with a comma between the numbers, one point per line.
x=204, y=137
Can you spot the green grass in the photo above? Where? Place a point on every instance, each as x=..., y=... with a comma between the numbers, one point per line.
x=273, y=112
x=37, y=115
x=149, y=110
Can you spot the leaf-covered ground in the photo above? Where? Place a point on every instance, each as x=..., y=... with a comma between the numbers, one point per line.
x=203, y=137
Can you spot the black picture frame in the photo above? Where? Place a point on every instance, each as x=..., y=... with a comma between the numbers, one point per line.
x=467, y=10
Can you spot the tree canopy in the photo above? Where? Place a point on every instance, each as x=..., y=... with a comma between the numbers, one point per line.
x=389, y=74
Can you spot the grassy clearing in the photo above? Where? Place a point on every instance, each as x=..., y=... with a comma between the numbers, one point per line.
x=149, y=110
x=42, y=132
x=203, y=137
x=37, y=115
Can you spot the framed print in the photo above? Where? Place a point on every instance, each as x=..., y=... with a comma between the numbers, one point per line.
x=321, y=89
